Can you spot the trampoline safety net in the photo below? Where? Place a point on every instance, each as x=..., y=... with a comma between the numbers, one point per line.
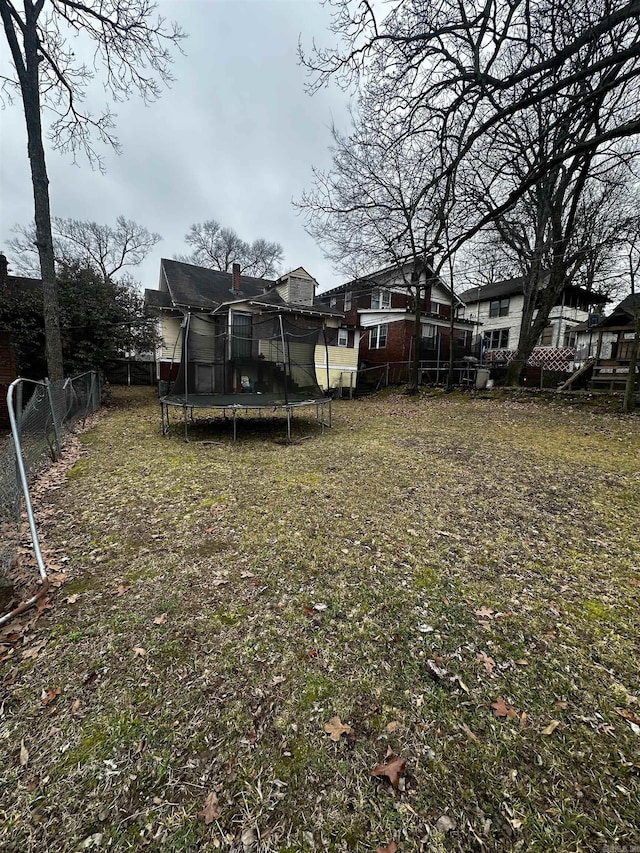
x=246, y=360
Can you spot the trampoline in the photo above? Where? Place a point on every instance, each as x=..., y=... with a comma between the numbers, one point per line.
x=237, y=361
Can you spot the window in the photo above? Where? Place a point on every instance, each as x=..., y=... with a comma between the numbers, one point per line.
x=427, y=332
x=499, y=307
x=435, y=307
x=496, y=339
x=381, y=299
x=546, y=338
x=347, y=300
x=240, y=335
x=333, y=301
x=570, y=338
x=378, y=336
x=343, y=338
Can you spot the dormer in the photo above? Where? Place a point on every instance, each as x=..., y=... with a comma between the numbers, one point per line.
x=297, y=287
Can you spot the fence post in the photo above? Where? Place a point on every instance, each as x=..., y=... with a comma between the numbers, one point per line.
x=54, y=417
x=386, y=379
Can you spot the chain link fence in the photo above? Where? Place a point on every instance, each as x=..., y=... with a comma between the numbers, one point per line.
x=42, y=413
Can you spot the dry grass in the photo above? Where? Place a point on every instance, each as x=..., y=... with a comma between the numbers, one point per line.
x=268, y=587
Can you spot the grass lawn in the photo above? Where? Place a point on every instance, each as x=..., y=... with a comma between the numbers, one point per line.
x=456, y=580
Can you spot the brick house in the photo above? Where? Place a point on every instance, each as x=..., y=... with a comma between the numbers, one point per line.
x=379, y=311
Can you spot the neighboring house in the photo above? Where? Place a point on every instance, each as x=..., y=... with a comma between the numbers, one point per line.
x=496, y=310
x=380, y=315
x=186, y=288
x=611, y=366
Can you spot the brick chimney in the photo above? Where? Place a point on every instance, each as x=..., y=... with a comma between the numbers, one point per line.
x=4, y=270
x=236, y=277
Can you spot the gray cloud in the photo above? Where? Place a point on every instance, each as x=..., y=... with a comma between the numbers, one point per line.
x=233, y=139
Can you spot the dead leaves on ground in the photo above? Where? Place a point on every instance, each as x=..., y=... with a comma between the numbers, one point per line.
x=392, y=767
x=502, y=710
x=389, y=847
x=211, y=810
x=335, y=728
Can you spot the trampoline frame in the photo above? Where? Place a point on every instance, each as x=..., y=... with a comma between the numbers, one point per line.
x=166, y=403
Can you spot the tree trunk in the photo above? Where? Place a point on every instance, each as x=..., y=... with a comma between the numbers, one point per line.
x=42, y=213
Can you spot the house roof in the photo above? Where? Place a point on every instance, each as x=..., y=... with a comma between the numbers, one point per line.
x=630, y=304
x=515, y=285
x=377, y=278
x=622, y=314
x=190, y=286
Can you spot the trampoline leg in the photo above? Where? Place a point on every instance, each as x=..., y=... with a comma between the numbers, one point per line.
x=288, y=423
x=234, y=424
x=322, y=417
x=330, y=424
x=186, y=427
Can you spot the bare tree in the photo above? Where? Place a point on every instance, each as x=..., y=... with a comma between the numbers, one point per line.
x=106, y=249
x=460, y=70
x=131, y=48
x=369, y=210
x=219, y=248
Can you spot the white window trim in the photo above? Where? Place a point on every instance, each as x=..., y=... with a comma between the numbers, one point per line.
x=375, y=335
x=382, y=299
x=343, y=338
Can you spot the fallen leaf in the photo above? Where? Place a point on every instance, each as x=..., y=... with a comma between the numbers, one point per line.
x=628, y=715
x=523, y=719
x=121, y=589
x=390, y=847
x=247, y=575
x=24, y=755
x=211, y=810
x=320, y=607
x=34, y=650
x=550, y=729
x=501, y=709
x=335, y=728
x=160, y=620
x=515, y=822
x=485, y=612
x=71, y=599
x=393, y=727
x=445, y=823
x=488, y=662
x=139, y=652
x=522, y=662
x=392, y=767
x=436, y=672
x=469, y=733
x=48, y=696
x=463, y=686
x=75, y=706
x=219, y=582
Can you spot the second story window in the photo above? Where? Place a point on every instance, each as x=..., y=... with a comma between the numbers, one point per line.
x=381, y=299
x=347, y=300
x=343, y=337
x=499, y=307
x=333, y=302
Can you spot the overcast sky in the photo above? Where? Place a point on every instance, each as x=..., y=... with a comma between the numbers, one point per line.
x=234, y=139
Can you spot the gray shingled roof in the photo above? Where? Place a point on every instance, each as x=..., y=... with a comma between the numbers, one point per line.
x=199, y=287
x=516, y=285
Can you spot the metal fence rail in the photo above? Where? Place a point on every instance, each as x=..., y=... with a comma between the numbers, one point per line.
x=41, y=413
